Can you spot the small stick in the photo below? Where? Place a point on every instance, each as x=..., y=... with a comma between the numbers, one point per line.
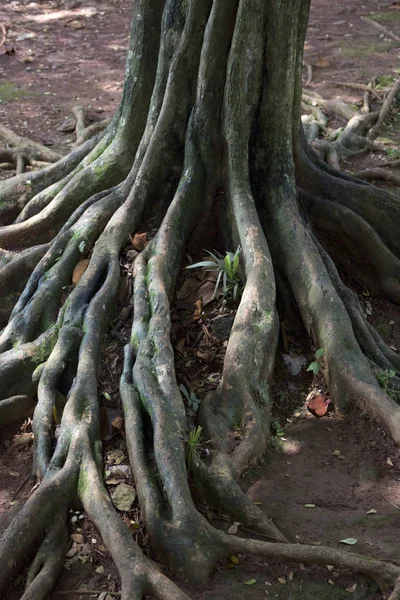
x=381, y=28
x=386, y=106
x=390, y=502
x=15, y=494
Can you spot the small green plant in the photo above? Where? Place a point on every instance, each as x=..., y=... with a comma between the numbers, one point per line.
x=383, y=81
x=276, y=428
x=227, y=268
x=393, y=153
x=192, y=400
x=383, y=378
x=192, y=446
x=315, y=365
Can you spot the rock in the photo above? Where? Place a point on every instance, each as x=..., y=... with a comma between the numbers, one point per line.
x=221, y=327
x=123, y=496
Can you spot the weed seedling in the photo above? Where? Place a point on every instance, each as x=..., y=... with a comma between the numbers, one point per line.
x=316, y=365
x=227, y=268
x=192, y=446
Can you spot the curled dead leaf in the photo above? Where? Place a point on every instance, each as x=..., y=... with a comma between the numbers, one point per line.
x=79, y=270
x=139, y=241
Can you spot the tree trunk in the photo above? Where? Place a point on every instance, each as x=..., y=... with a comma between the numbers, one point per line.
x=210, y=110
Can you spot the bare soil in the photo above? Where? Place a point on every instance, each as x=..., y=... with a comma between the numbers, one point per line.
x=58, y=54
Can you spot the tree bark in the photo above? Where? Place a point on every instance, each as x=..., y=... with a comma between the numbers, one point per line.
x=211, y=109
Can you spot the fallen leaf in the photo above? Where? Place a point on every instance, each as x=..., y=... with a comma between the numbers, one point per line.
x=258, y=503
x=100, y=570
x=322, y=62
x=291, y=576
x=317, y=404
x=74, y=24
x=79, y=270
x=180, y=346
x=234, y=559
x=139, y=241
x=372, y=511
x=310, y=505
x=330, y=567
x=77, y=537
x=13, y=473
x=389, y=462
x=336, y=453
x=349, y=541
x=250, y=582
x=198, y=310
x=282, y=580
x=331, y=582
x=352, y=589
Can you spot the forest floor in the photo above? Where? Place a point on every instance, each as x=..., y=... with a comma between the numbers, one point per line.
x=324, y=480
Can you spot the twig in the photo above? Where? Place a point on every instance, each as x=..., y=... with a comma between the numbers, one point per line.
x=392, y=503
x=15, y=494
x=381, y=28
x=374, y=132
x=309, y=74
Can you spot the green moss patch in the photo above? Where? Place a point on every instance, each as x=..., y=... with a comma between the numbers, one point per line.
x=9, y=91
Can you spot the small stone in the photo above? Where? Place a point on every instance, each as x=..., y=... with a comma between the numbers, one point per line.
x=221, y=327
x=123, y=496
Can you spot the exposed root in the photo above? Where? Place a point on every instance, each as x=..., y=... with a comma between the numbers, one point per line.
x=386, y=106
x=381, y=28
x=204, y=111
x=378, y=173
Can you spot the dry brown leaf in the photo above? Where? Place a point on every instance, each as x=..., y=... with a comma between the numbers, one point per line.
x=198, y=310
x=206, y=356
x=79, y=270
x=139, y=241
x=118, y=423
x=322, y=62
x=180, y=346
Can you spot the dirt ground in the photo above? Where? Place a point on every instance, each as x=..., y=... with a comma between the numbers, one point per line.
x=324, y=480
